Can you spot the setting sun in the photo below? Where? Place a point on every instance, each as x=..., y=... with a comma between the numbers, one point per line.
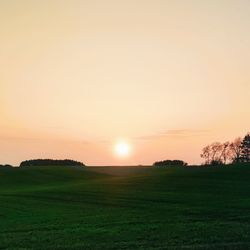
x=122, y=149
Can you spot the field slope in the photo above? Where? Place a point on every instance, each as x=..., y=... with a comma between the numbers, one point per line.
x=115, y=208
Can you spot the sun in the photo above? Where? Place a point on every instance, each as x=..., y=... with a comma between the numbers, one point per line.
x=122, y=149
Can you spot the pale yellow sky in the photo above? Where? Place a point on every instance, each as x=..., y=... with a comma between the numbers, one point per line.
x=167, y=76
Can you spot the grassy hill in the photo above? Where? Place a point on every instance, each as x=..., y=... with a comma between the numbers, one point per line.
x=117, y=208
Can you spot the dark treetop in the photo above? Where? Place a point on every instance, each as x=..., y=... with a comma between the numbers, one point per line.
x=50, y=162
x=170, y=163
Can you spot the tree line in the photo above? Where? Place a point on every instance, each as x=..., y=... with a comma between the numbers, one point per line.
x=5, y=166
x=170, y=163
x=228, y=152
x=50, y=162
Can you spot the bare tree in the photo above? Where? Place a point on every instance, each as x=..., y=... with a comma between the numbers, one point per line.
x=235, y=149
x=216, y=149
x=225, y=155
x=215, y=153
x=206, y=154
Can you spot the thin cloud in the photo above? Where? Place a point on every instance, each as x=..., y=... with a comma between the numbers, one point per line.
x=175, y=133
x=23, y=139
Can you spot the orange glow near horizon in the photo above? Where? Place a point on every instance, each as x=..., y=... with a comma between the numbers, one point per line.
x=170, y=76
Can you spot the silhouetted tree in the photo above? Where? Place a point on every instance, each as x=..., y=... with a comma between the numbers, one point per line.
x=170, y=163
x=225, y=152
x=216, y=162
x=216, y=149
x=245, y=149
x=222, y=153
x=216, y=153
x=206, y=154
x=235, y=150
x=6, y=166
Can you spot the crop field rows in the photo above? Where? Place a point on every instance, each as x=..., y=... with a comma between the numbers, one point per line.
x=94, y=208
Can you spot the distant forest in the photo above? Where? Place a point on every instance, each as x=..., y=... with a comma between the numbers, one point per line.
x=50, y=162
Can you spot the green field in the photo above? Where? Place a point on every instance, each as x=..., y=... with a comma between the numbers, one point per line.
x=125, y=208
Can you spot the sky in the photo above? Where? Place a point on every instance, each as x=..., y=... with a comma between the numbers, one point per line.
x=77, y=76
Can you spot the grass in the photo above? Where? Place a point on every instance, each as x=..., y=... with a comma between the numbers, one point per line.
x=118, y=208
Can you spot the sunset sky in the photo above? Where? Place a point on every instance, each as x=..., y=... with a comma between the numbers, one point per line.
x=77, y=76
